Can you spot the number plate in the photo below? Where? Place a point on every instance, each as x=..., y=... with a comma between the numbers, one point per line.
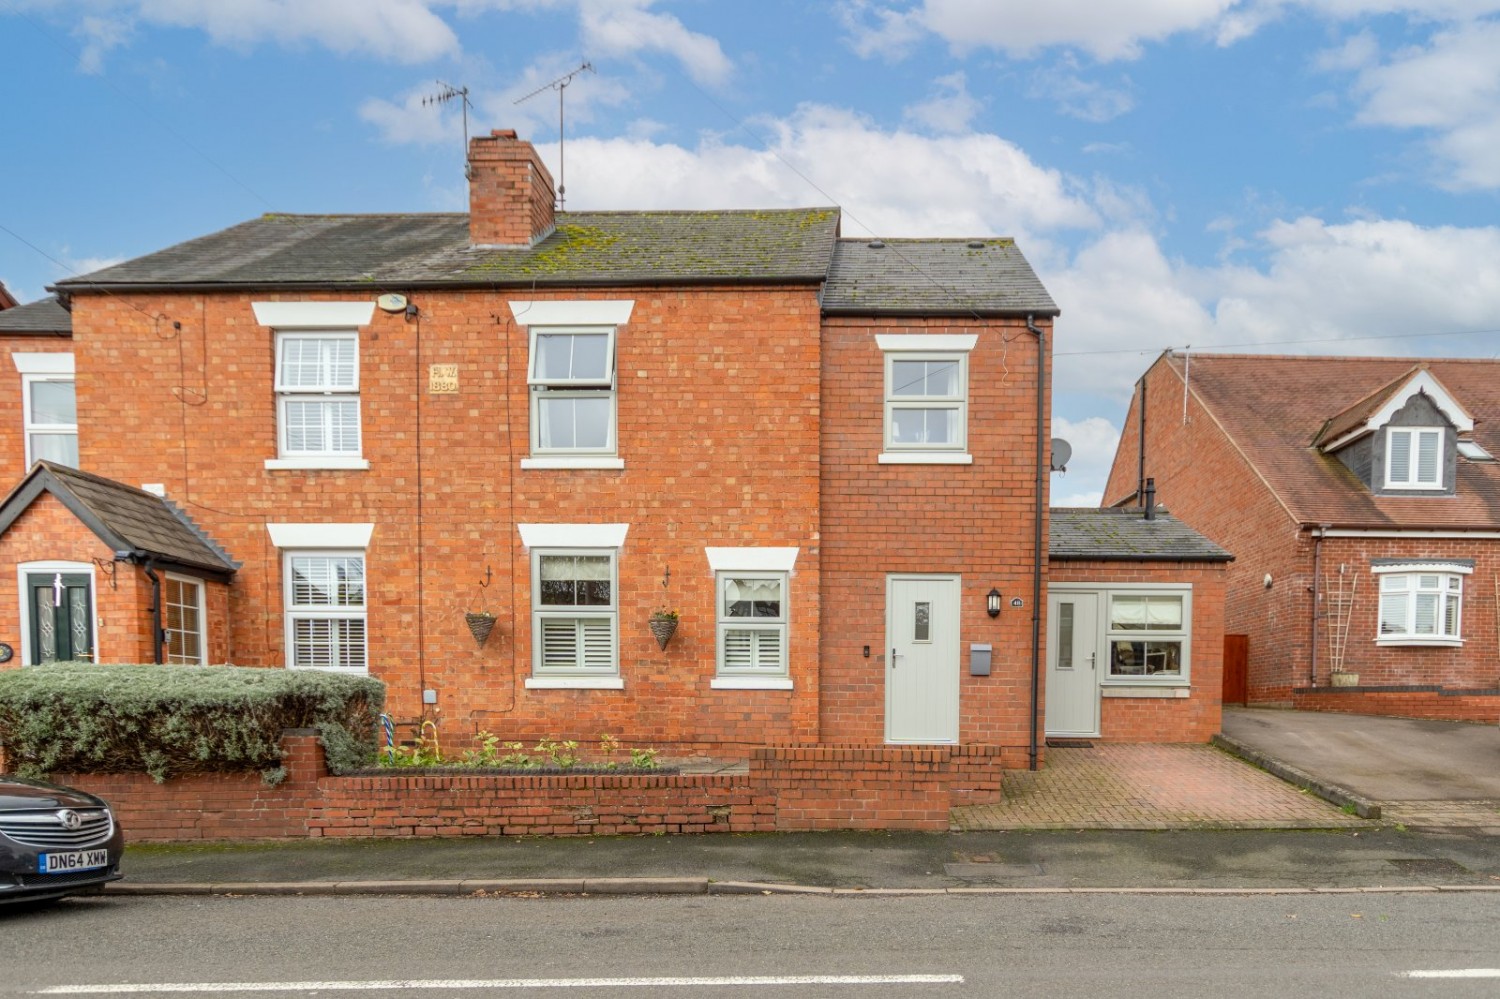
x=73, y=860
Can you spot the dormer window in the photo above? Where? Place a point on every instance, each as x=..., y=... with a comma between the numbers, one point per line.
x=1414, y=458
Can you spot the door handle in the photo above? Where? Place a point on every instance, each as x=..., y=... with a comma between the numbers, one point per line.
x=894, y=653
x=1093, y=657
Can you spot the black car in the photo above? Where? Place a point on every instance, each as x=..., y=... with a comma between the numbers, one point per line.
x=54, y=841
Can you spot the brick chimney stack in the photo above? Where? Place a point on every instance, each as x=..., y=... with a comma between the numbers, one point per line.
x=511, y=196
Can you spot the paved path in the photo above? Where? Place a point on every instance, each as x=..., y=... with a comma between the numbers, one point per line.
x=1149, y=787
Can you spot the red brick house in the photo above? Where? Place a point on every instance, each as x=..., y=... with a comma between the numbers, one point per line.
x=1361, y=499
x=38, y=416
x=826, y=456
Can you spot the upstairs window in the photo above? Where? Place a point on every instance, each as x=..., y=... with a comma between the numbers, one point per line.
x=1414, y=458
x=51, y=419
x=572, y=379
x=926, y=402
x=317, y=387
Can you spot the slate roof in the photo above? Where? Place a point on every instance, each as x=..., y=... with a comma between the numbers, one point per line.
x=1078, y=534
x=123, y=517
x=933, y=277
x=44, y=316
x=1273, y=408
x=402, y=251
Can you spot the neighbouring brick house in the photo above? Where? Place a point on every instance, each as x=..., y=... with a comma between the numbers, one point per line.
x=38, y=417
x=1361, y=499
x=822, y=453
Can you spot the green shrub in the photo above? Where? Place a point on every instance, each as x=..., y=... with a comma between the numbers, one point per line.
x=170, y=720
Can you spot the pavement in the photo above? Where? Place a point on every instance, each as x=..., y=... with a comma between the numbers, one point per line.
x=1111, y=818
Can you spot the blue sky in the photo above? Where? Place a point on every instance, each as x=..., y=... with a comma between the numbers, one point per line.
x=1295, y=176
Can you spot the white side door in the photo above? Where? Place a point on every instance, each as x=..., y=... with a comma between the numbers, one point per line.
x=922, y=661
x=1073, y=663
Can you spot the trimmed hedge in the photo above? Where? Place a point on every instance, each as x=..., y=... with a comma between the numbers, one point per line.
x=169, y=720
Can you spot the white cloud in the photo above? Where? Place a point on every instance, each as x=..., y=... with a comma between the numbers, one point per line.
x=950, y=110
x=1449, y=87
x=1093, y=440
x=891, y=183
x=100, y=35
x=626, y=27
x=399, y=30
x=1076, y=97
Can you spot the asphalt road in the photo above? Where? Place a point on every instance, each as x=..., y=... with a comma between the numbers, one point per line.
x=773, y=946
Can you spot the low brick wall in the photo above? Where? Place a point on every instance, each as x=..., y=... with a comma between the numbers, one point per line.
x=787, y=788
x=1431, y=702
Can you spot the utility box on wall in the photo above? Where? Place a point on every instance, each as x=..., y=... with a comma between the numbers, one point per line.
x=979, y=660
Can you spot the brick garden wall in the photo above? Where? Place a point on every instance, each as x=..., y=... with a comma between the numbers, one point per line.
x=788, y=788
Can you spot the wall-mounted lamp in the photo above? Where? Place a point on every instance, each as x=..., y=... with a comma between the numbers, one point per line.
x=992, y=602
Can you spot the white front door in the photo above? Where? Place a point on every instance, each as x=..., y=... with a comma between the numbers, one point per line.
x=1073, y=664
x=921, y=669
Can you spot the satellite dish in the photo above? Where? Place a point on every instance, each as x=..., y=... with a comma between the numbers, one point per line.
x=1061, y=452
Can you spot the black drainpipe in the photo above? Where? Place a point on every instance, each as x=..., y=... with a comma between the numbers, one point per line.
x=1041, y=510
x=149, y=566
x=1149, y=497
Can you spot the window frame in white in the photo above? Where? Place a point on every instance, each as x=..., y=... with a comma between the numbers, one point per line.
x=45, y=366
x=293, y=612
x=575, y=676
x=780, y=625
x=329, y=393
x=543, y=390
x=1413, y=480
x=1446, y=594
x=199, y=607
x=925, y=347
x=1181, y=635
x=312, y=318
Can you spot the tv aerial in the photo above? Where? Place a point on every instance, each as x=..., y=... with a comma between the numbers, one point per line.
x=447, y=94
x=560, y=85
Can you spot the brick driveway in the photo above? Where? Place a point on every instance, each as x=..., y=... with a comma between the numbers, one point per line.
x=1115, y=786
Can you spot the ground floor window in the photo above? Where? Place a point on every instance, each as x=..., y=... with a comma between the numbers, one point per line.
x=1421, y=603
x=182, y=620
x=326, y=611
x=575, y=616
x=1148, y=635
x=752, y=621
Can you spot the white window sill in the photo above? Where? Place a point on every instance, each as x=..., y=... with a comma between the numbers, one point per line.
x=574, y=461
x=575, y=683
x=1451, y=643
x=1176, y=690
x=751, y=683
x=331, y=669
x=926, y=458
x=303, y=464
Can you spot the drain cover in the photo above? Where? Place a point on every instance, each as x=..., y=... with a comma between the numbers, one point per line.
x=1069, y=744
x=1428, y=866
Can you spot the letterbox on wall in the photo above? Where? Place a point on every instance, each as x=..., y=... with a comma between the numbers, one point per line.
x=979, y=660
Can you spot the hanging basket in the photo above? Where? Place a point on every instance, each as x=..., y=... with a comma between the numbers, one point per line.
x=663, y=628
x=480, y=626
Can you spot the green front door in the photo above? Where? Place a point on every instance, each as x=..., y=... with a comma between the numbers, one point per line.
x=62, y=616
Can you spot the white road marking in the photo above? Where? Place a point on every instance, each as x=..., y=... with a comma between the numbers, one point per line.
x=502, y=983
x=1454, y=973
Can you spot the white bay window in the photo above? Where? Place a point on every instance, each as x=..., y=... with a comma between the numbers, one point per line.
x=1421, y=604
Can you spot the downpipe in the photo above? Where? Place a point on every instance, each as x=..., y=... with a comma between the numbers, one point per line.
x=1040, y=513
